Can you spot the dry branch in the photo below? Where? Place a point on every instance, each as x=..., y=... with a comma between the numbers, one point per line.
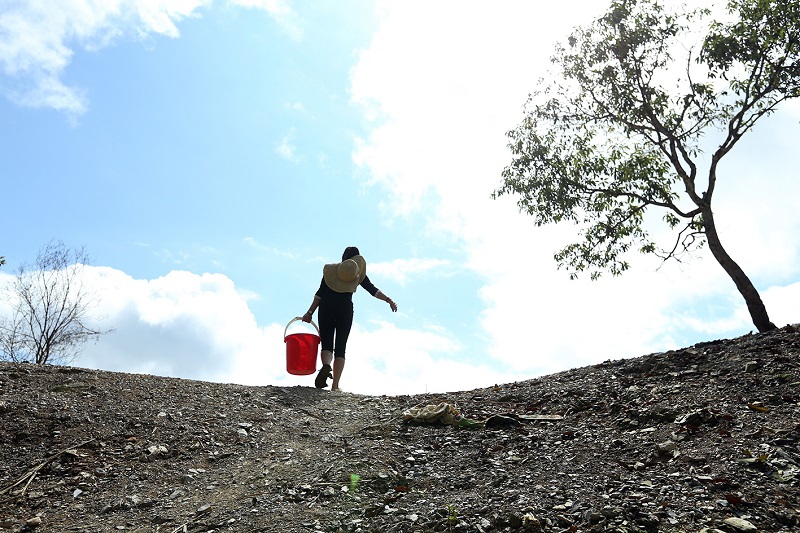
x=30, y=474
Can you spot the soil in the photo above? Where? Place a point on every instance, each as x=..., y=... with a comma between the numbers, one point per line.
x=705, y=438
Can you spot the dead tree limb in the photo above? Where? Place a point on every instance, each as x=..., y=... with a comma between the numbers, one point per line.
x=27, y=478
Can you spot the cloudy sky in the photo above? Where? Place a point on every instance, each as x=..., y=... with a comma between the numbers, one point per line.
x=212, y=155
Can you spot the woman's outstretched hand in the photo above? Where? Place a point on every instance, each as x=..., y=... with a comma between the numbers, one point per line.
x=306, y=317
x=381, y=296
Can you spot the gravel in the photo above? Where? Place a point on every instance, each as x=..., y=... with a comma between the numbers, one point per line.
x=705, y=438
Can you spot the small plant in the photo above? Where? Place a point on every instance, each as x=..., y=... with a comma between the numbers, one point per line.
x=452, y=517
x=354, y=479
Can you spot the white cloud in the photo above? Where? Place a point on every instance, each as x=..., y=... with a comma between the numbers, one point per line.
x=782, y=303
x=286, y=148
x=271, y=250
x=448, y=96
x=459, y=84
x=182, y=324
x=38, y=39
x=389, y=360
x=295, y=106
x=400, y=270
x=281, y=11
x=200, y=327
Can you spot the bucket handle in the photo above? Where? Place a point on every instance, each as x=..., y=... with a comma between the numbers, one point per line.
x=295, y=319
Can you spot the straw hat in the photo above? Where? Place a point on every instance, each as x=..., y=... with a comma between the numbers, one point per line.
x=345, y=276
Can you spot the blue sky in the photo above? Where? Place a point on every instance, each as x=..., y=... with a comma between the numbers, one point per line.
x=211, y=156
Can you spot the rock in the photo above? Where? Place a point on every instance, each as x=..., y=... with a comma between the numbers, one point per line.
x=530, y=522
x=501, y=421
x=667, y=448
x=739, y=524
x=155, y=451
x=515, y=521
x=177, y=493
x=114, y=506
x=751, y=366
x=649, y=521
x=697, y=418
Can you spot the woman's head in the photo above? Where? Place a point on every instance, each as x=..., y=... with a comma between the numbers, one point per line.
x=350, y=251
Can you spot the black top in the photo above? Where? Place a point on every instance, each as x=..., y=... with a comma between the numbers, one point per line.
x=326, y=293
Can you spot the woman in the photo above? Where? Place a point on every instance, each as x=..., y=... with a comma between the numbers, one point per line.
x=335, y=301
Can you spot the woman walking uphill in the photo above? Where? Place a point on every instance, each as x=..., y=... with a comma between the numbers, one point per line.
x=335, y=302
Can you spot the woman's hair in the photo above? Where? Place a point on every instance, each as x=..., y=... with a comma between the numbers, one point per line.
x=350, y=251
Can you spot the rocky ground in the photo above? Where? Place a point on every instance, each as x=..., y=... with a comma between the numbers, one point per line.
x=703, y=438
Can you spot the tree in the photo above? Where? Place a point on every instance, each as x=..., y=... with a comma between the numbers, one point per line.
x=620, y=132
x=50, y=309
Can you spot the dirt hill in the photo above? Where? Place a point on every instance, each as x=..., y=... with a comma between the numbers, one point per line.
x=703, y=438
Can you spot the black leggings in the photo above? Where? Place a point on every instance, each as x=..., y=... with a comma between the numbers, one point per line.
x=335, y=317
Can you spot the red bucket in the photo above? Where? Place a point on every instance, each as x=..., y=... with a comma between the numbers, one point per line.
x=301, y=350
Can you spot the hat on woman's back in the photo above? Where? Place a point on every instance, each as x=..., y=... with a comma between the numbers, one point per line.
x=345, y=276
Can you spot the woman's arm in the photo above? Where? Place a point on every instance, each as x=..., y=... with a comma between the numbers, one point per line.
x=310, y=312
x=380, y=296
x=373, y=290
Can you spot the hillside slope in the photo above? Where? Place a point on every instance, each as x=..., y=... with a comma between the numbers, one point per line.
x=706, y=437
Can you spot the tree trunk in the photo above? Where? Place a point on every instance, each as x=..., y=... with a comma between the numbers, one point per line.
x=758, y=312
